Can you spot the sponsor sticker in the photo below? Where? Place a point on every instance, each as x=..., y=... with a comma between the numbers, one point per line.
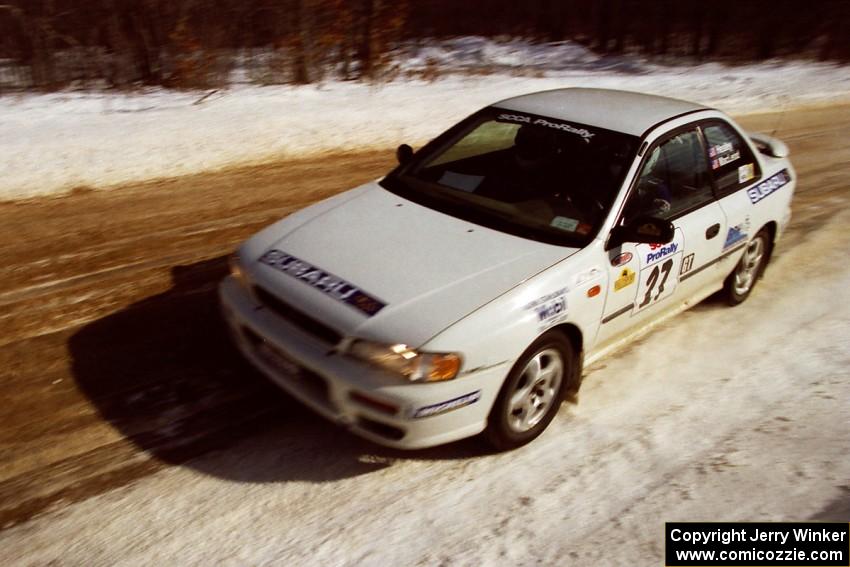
x=325, y=282
x=550, y=307
x=736, y=234
x=448, y=405
x=626, y=278
x=564, y=223
x=653, y=253
x=659, y=251
x=746, y=172
x=768, y=186
x=621, y=259
x=687, y=264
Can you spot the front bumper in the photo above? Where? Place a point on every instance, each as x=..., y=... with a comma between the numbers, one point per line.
x=374, y=404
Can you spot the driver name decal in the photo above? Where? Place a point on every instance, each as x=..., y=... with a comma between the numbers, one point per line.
x=325, y=282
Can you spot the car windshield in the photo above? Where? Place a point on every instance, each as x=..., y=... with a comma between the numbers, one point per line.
x=536, y=177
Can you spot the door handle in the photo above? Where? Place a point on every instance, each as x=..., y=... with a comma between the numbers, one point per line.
x=712, y=231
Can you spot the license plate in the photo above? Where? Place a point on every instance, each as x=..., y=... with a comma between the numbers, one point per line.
x=278, y=360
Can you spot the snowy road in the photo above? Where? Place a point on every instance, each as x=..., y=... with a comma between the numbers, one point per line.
x=131, y=433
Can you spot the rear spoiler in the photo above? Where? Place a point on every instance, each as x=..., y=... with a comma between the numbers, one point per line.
x=770, y=146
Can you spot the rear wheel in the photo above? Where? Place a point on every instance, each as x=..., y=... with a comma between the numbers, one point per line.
x=743, y=278
x=532, y=392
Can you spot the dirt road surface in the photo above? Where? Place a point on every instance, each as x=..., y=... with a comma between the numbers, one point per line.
x=132, y=433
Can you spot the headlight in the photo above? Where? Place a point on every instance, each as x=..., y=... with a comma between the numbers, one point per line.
x=415, y=366
x=238, y=272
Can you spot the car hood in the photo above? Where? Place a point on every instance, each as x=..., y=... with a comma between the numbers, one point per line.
x=427, y=268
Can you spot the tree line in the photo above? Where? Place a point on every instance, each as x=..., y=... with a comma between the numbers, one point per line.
x=199, y=43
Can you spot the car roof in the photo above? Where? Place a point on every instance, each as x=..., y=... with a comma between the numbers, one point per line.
x=621, y=111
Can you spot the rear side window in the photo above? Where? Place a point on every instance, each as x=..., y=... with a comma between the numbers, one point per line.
x=732, y=163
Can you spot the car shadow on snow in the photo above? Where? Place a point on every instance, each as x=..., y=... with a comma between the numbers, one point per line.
x=164, y=373
x=838, y=510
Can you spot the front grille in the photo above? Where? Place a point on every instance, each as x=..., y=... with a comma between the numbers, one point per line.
x=315, y=385
x=305, y=379
x=298, y=318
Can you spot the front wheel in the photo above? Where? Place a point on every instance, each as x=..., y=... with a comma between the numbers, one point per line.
x=743, y=278
x=532, y=392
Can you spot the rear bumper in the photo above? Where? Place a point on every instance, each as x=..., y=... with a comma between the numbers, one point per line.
x=373, y=404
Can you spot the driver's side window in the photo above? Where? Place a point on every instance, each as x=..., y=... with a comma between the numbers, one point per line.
x=674, y=179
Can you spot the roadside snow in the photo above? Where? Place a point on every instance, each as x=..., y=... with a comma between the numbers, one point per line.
x=52, y=143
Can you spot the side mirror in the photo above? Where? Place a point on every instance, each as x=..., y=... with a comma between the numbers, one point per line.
x=770, y=145
x=404, y=154
x=643, y=230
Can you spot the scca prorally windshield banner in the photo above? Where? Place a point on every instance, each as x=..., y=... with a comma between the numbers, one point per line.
x=585, y=134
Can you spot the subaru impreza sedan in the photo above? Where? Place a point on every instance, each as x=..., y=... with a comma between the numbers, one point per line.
x=463, y=293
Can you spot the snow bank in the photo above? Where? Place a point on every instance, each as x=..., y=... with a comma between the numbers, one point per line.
x=54, y=142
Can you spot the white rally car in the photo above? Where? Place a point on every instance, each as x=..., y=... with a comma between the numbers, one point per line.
x=463, y=292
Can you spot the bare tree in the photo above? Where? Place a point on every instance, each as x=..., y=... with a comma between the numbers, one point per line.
x=193, y=43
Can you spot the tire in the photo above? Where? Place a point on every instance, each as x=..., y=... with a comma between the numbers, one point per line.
x=532, y=392
x=740, y=283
